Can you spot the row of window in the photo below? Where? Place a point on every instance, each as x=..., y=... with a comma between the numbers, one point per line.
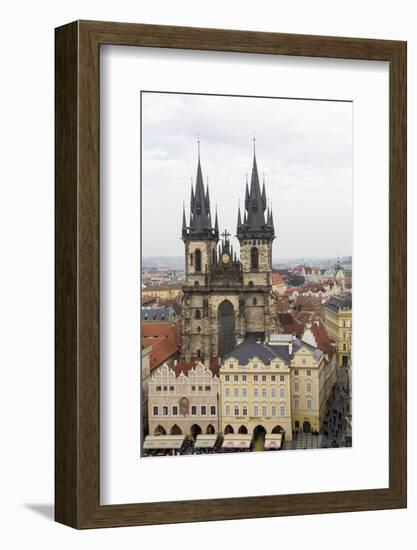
x=193, y=388
x=308, y=387
x=256, y=378
x=244, y=392
x=297, y=372
x=243, y=411
x=297, y=404
x=202, y=410
x=254, y=366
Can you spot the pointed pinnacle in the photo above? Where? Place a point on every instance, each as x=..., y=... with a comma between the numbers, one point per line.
x=184, y=221
x=239, y=218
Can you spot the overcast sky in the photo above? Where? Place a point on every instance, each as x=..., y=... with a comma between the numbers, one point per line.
x=303, y=147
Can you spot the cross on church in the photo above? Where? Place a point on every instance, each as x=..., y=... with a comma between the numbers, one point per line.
x=226, y=235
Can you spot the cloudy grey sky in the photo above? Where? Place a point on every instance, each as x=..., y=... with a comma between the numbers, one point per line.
x=303, y=147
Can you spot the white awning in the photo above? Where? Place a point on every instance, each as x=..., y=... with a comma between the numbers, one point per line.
x=273, y=441
x=163, y=441
x=205, y=441
x=237, y=441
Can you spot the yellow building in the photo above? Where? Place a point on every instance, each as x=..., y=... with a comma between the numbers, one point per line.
x=309, y=377
x=275, y=387
x=337, y=319
x=255, y=390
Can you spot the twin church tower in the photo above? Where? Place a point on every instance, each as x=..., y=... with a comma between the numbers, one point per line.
x=225, y=298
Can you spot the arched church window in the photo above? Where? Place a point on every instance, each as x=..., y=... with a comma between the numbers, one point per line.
x=250, y=284
x=198, y=260
x=254, y=301
x=197, y=314
x=196, y=283
x=254, y=258
x=191, y=259
x=198, y=329
x=226, y=328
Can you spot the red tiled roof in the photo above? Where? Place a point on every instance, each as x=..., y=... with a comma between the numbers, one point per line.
x=301, y=316
x=164, y=339
x=309, y=303
x=290, y=325
x=322, y=338
x=283, y=305
x=277, y=279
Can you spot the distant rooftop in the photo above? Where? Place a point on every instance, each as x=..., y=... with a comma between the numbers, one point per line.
x=336, y=303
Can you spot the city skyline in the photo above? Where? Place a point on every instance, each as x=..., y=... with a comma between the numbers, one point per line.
x=303, y=150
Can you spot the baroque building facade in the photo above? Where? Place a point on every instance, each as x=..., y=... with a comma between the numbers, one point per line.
x=225, y=299
x=184, y=403
x=279, y=386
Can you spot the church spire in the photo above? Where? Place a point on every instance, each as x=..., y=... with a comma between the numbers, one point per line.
x=216, y=224
x=200, y=217
x=256, y=215
x=256, y=219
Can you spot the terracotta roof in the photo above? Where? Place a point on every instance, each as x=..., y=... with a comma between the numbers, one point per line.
x=301, y=316
x=322, y=338
x=290, y=325
x=283, y=305
x=308, y=303
x=277, y=279
x=164, y=339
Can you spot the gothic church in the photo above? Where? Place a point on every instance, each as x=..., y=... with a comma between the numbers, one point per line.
x=226, y=298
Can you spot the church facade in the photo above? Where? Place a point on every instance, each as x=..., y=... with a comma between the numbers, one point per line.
x=226, y=298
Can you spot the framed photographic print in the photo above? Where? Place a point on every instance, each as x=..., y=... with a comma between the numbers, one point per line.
x=230, y=274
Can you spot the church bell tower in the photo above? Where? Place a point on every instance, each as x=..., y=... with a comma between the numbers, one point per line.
x=200, y=236
x=256, y=233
